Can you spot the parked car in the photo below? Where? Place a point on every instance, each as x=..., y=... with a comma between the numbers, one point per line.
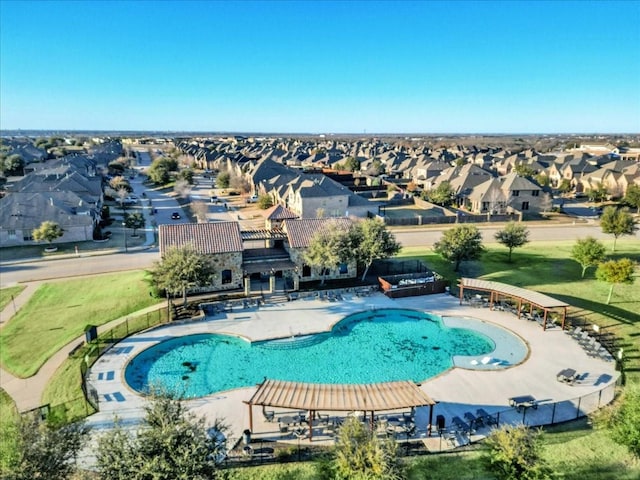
x=175, y=216
x=130, y=200
x=252, y=199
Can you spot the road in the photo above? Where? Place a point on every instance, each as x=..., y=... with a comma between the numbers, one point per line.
x=90, y=265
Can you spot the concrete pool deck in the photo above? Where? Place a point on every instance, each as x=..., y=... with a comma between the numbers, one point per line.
x=458, y=390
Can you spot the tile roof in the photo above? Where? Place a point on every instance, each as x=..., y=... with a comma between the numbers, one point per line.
x=279, y=212
x=206, y=238
x=301, y=231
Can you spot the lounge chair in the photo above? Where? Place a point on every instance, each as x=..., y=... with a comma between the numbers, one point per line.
x=576, y=332
x=471, y=418
x=487, y=418
x=486, y=360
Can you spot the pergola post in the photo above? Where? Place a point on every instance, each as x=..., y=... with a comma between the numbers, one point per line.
x=250, y=416
x=519, y=306
x=430, y=420
x=312, y=413
x=461, y=284
x=564, y=316
x=544, y=320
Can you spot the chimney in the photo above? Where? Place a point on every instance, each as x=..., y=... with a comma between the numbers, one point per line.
x=51, y=201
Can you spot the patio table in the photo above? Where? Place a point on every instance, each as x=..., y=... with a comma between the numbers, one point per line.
x=523, y=402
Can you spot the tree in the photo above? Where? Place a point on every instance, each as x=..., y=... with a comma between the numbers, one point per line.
x=441, y=195
x=186, y=174
x=264, y=202
x=120, y=183
x=182, y=188
x=324, y=248
x=13, y=164
x=624, y=423
x=172, y=444
x=159, y=171
x=45, y=451
x=180, y=269
x=463, y=242
x=543, y=180
x=598, y=194
x=513, y=235
x=351, y=164
x=616, y=272
x=370, y=240
x=514, y=453
x=524, y=170
x=564, y=186
x=617, y=222
x=632, y=197
x=360, y=455
x=134, y=221
x=200, y=210
x=588, y=253
x=47, y=232
x=223, y=179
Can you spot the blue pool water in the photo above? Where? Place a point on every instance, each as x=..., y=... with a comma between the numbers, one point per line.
x=367, y=347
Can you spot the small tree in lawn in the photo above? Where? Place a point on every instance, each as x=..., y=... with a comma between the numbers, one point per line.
x=47, y=232
x=180, y=269
x=588, y=252
x=513, y=235
x=616, y=272
x=514, y=453
x=441, y=195
x=370, y=240
x=617, y=222
x=359, y=454
x=134, y=221
x=460, y=243
x=624, y=423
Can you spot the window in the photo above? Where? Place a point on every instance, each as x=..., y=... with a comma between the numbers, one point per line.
x=515, y=193
x=226, y=276
x=11, y=234
x=343, y=268
x=306, y=271
x=535, y=193
x=28, y=235
x=525, y=205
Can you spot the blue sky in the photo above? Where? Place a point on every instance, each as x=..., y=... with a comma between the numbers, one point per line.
x=321, y=67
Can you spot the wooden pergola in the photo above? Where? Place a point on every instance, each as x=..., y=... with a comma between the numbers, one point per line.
x=314, y=397
x=522, y=295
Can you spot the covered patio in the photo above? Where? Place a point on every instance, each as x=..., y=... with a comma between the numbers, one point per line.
x=313, y=397
x=521, y=295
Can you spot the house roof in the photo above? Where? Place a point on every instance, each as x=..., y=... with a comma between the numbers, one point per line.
x=301, y=231
x=206, y=238
x=513, y=181
x=19, y=211
x=279, y=212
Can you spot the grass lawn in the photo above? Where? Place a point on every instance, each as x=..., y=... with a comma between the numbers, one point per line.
x=8, y=430
x=58, y=312
x=6, y=294
x=548, y=268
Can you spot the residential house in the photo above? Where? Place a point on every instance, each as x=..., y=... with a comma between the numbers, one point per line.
x=23, y=212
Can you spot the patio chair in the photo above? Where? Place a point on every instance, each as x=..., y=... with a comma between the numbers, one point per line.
x=269, y=415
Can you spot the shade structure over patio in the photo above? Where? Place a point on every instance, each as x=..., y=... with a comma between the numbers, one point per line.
x=314, y=397
x=522, y=295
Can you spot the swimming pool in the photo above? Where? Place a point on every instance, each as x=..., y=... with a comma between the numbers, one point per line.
x=367, y=347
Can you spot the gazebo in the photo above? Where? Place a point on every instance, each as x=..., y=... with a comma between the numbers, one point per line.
x=314, y=397
x=522, y=295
